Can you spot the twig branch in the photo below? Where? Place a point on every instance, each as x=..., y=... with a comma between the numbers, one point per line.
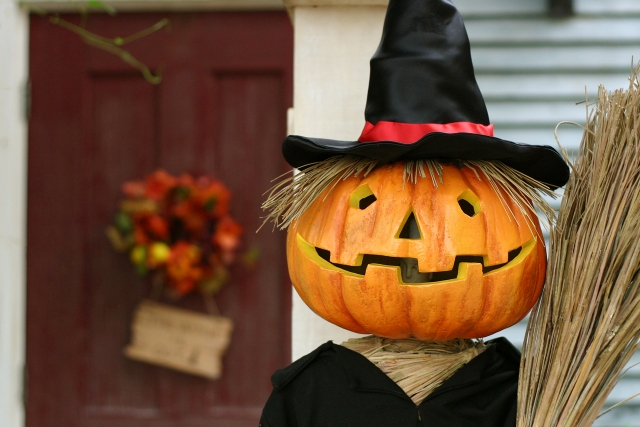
x=112, y=45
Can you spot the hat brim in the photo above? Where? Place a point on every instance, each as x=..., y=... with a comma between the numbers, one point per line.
x=540, y=162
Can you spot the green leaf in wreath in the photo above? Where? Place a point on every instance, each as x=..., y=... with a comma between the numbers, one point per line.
x=210, y=204
x=250, y=257
x=123, y=223
x=182, y=193
x=141, y=269
x=214, y=284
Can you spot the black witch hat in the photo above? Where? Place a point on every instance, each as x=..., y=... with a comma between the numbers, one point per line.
x=424, y=102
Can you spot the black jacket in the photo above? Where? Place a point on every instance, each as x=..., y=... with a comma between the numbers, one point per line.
x=336, y=387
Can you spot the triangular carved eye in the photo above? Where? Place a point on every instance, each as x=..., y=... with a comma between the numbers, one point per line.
x=410, y=228
x=362, y=197
x=469, y=203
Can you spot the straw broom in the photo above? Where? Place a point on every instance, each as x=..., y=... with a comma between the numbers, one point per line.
x=586, y=326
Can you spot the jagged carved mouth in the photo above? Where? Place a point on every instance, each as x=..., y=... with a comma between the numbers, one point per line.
x=408, y=267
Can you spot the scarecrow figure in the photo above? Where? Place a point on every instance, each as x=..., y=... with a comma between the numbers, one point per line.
x=422, y=233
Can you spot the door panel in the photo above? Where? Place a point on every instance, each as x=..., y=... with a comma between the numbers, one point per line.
x=122, y=137
x=95, y=123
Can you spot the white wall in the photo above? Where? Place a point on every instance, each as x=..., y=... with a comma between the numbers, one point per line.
x=13, y=148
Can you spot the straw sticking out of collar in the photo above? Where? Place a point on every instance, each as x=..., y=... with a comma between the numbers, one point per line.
x=418, y=367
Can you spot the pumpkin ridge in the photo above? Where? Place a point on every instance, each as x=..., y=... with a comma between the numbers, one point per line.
x=311, y=300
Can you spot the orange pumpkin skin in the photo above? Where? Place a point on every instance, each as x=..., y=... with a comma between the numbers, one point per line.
x=472, y=305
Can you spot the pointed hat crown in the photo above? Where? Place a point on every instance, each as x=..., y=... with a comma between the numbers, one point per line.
x=422, y=74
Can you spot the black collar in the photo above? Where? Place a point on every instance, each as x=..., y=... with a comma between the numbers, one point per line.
x=365, y=376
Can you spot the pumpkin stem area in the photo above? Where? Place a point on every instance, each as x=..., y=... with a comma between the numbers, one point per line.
x=418, y=367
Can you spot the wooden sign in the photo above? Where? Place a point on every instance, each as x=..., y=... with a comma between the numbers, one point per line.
x=179, y=339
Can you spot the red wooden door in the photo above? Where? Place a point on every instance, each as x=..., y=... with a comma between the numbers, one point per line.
x=95, y=123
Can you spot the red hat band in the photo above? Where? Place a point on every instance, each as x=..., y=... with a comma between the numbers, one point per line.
x=408, y=133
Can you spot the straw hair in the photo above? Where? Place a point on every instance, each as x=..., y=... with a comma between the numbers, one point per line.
x=294, y=193
x=586, y=326
x=418, y=367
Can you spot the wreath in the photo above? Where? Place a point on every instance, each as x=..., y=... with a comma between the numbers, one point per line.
x=178, y=229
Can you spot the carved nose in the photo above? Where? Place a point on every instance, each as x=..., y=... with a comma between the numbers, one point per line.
x=410, y=229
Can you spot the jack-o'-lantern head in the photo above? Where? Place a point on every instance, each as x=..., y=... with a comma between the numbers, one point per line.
x=435, y=261
x=375, y=252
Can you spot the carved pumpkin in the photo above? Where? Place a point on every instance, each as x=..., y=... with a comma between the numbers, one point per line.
x=396, y=259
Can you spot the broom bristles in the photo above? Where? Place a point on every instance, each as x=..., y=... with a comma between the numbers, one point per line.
x=585, y=327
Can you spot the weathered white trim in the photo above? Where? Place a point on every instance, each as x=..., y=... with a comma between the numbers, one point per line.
x=13, y=194
x=163, y=5
x=607, y=7
x=581, y=31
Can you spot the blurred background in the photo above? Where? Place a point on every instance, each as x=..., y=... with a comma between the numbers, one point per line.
x=76, y=122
